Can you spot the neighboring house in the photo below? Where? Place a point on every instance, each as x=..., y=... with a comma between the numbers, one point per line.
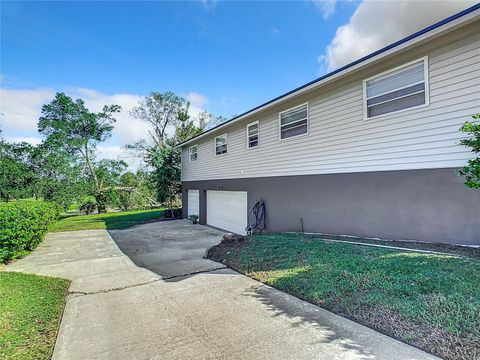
x=370, y=149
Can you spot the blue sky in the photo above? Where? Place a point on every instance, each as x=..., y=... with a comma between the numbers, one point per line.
x=226, y=57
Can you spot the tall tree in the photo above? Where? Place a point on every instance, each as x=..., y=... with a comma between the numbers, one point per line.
x=160, y=111
x=69, y=125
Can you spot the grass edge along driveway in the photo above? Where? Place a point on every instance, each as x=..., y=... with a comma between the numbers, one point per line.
x=427, y=300
x=113, y=220
x=31, y=309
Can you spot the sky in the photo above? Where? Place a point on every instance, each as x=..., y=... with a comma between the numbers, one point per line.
x=225, y=57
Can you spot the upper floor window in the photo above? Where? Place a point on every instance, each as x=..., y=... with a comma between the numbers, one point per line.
x=294, y=122
x=221, y=144
x=252, y=135
x=402, y=88
x=193, y=153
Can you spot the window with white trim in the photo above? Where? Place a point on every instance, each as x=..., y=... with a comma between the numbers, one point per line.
x=252, y=135
x=294, y=122
x=193, y=153
x=221, y=144
x=399, y=89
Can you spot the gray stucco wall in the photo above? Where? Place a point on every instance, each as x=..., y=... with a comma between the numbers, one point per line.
x=429, y=205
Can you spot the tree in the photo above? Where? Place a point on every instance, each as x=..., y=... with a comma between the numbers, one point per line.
x=17, y=176
x=160, y=111
x=71, y=127
x=166, y=174
x=472, y=170
x=60, y=175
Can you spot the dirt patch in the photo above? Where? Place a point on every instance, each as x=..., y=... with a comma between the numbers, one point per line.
x=467, y=251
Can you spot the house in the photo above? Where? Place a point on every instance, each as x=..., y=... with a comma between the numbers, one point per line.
x=371, y=149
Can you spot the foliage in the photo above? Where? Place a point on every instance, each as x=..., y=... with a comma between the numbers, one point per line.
x=88, y=205
x=160, y=111
x=114, y=220
x=108, y=176
x=193, y=219
x=73, y=129
x=17, y=177
x=23, y=224
x=41, y=172
x=472, y=170
x=166, y=175
x=136, y=191
x=31, y=308
x=431, y=301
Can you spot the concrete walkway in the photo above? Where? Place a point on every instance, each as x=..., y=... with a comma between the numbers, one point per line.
x=117, y=310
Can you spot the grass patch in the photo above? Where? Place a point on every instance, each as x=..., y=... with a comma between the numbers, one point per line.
x=31, y=308
x=427, y=300
x=116, y=220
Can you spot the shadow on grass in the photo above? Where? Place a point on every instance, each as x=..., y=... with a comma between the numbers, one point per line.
x=429, y=301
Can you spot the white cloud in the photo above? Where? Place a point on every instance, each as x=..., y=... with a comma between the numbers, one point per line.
x=20, y=108
x=127, y=129
x=197, y=99
x=393, y=21
x=326, y=7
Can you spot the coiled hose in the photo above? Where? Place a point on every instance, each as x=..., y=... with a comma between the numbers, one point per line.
x=258, y=218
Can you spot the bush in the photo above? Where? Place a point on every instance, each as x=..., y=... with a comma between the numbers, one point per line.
x=23, y=224
x=88, y=205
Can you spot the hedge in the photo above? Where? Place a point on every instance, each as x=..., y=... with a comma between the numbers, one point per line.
x=23, y=225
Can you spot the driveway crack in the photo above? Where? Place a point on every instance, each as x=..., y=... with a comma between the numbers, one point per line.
x=195, y=272
x=105, y=291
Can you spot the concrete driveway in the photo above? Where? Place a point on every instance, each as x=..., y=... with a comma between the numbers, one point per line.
x=118, y=310
x=171, y=248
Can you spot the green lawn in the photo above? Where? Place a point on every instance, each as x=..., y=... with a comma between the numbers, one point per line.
x=31, y=308
x=116, y=220
x=430, y=301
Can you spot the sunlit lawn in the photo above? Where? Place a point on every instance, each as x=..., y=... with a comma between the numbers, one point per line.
x=431, y=301
x=31, y=308
x=114, y=220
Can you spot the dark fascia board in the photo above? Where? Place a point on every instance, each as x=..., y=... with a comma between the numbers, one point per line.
x=343, y=68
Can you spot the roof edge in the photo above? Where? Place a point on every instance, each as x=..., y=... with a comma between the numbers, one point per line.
x=344, y=68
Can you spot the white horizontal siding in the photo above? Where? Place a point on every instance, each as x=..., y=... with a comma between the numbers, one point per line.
x=339, y=140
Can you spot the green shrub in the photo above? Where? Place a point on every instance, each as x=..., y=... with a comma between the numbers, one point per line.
x=23, y=224
x=88, y=205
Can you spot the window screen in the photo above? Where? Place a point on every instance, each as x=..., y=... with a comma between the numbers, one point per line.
x=193, y=153
x=400, y=89
x=294, y=122
x=252, y=130
x=221, y=144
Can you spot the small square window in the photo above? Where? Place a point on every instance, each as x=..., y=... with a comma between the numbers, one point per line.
x=193, y=153
x=294, y=122
x=252, y=135
x=221, y=144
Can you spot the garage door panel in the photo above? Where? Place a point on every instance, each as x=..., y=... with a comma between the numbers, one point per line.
x=193, y=202
x=227, y=210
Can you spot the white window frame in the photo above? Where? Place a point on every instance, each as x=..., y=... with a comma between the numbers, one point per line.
x=258, y=135
x=280, y=122
x=190, y=152
x=215, y=144
x=425, y=80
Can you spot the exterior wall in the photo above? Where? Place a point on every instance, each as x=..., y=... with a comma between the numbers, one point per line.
x=428, y=205
x=341, y=141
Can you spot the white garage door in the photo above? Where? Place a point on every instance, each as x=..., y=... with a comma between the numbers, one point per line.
x=193, y=202
x=227, y=210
